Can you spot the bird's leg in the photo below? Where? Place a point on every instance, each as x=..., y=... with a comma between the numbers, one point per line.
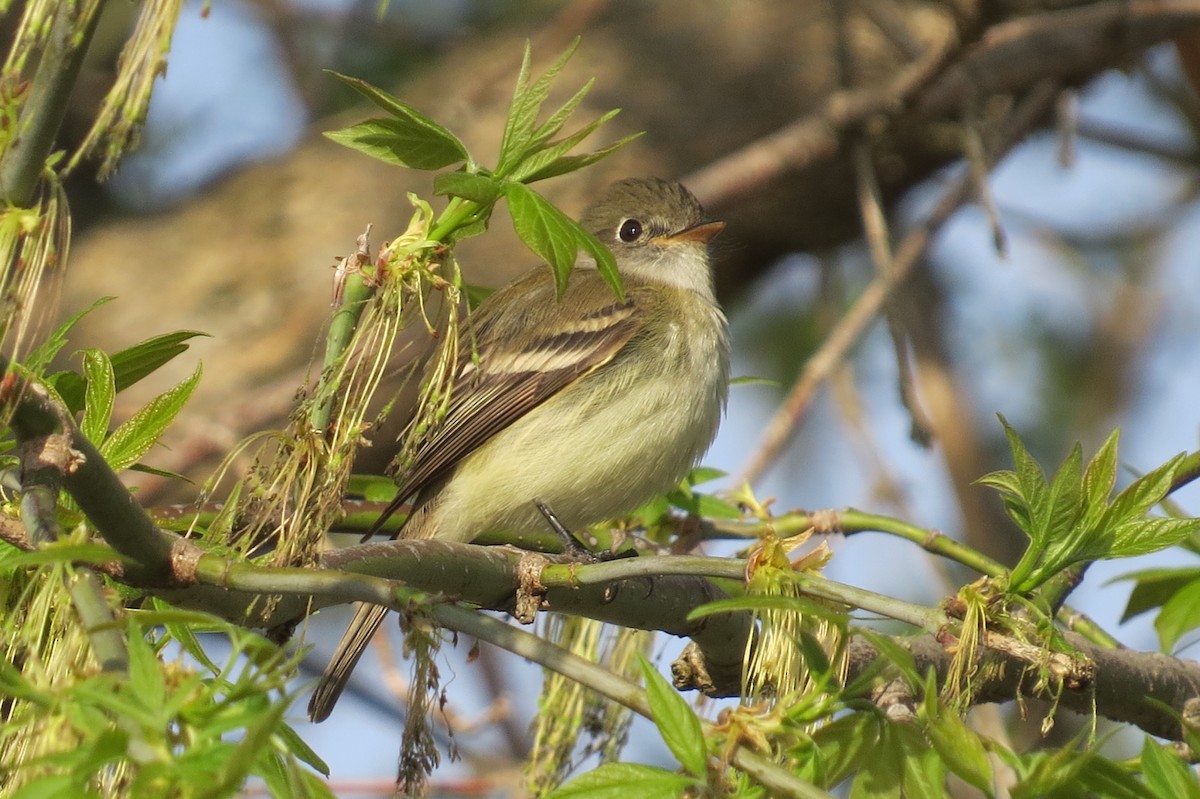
x=572, y=548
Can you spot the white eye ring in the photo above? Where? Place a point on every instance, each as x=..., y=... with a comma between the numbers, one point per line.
x=630, y=230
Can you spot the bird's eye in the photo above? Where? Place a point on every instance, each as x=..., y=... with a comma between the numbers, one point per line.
x=630, y=230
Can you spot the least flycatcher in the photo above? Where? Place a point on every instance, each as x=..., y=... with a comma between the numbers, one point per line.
x=586, y=403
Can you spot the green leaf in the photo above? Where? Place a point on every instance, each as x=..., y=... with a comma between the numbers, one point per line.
x=299, y=749
x=1030, y=479
x=959, y=747
x=1166, y=774
x=146, y=679
x=1179, y=615
x=893, y=655
x=624, y=781
x=554, y=123
x=882, y=773
x=1103, y=777
x=1153, y=587
x=144, y=358
x=924, y=770
x=523, y=111
x=99, y=395
x=760, y=602
x=1004, y=481
x=133, y=439
x=554, y=236
x=605, y=263
x=676, y=721
x=1062, y=508
x=400, y=142
x=184, y=632
x=129, y=365
x=700, y=475
x=1099, y=479
x=40, y=357
x=167, y=473
x=417, y=138
x=842, y=747
x=1142, y=494
x=481, y=189
x=704, y=505
x=1149, y=535
x=54, y=786
x=61, y=552
x=573, y=163
x=699, y=504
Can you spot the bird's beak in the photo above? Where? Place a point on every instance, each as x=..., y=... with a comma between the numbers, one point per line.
x=703, y=232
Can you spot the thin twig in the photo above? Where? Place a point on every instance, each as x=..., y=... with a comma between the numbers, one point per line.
x=875, y=226
x=813, y=137
x=850, y=330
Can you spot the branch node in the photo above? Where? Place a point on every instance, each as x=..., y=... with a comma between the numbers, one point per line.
x=185, y=558
x=530, y=588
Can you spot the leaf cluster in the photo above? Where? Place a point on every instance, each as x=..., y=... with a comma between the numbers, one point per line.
x=530, y=151
x=1070, y=519
x=167, y=728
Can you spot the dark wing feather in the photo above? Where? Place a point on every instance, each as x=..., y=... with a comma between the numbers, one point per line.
x=515, y=371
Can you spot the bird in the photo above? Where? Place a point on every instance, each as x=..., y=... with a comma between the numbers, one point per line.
x=583, y=402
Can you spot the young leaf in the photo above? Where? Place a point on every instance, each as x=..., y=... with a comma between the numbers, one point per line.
x=99, y=396
x=1142, y=494
x=133, y=439
x=1099, y=479
x=959, y=746
x=676, y=721
x=1166, y=774
x=1180, y=615
x=428, y=144
x=623, y=781
x=1030, y=479
x=1144, y=536
x=882, y=773
x=548, y=129
x=481, y=189
x=572, y=163
x=1062, y=506
x=522, y=114
x=129, y=365
x=605, y=262
x=144, y=358
x=39, y=358
x=924, y=770
x=554, y=236
x=843, y=746
x=402, y=142
x=1154, y=587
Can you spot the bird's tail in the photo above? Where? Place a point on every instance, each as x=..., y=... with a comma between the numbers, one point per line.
x=354, y=642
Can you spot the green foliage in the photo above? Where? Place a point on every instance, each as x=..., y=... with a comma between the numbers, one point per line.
x=1176, y=592
x=1166, y=774
x=681, y=731
x=676, y=721
x=529, y=152
x=405, y=138
x=695, y=503
x=623, y=780
x=166, y=728
x=1070, y=520
x=135, y=436
x=959, y=748
x=1070, y=773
